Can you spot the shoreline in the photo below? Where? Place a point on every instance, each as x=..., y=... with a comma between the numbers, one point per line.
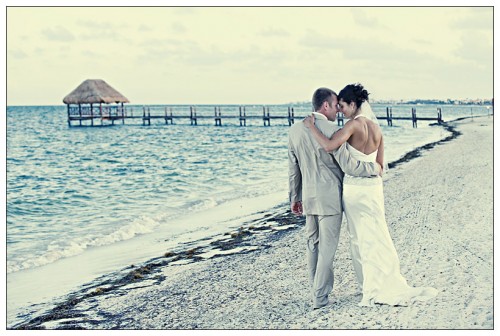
x=255, y=238
x=252, y=235
x=417, y=152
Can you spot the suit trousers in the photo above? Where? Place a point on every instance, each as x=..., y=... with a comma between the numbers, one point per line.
x=322, y=240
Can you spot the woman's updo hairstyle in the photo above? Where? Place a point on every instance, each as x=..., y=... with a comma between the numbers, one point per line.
x=354, y=93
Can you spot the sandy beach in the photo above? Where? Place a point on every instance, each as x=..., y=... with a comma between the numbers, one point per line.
x=439, y=209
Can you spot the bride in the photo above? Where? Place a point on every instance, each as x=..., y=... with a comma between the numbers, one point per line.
x=375, y=259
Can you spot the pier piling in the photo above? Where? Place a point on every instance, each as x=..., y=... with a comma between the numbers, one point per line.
x=218, y=120
x=340, y=119
x=389, y=116
x=243, y=117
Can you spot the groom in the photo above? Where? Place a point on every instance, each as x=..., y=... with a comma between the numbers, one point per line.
x=315, y=184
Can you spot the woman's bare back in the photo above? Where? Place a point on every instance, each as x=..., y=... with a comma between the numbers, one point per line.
x=366, y=136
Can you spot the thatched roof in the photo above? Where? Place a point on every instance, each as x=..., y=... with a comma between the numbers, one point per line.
x=94, y=91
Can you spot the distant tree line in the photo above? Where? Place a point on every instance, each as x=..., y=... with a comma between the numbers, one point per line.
x=450, y=101
x=423, y=101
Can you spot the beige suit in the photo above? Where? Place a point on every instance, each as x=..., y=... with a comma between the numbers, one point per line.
x=315, y=179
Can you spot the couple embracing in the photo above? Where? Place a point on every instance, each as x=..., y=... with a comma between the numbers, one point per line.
x=332, y=171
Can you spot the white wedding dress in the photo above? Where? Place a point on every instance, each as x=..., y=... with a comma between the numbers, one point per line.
x=375, y=259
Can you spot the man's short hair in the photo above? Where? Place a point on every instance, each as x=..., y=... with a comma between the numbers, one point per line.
x=320, y=96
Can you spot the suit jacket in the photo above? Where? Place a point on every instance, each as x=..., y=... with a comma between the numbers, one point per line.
x=315, y=176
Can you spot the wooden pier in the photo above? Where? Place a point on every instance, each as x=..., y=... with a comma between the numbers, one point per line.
x=414, y=119
x=193, y=116
x=110, y=115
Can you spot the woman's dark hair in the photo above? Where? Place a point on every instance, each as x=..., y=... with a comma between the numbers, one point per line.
x=320, y=96
x=354, y=93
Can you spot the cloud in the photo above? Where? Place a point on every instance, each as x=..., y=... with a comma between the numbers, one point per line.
x=376, y=50
x=58, y=33
x=360, y=17
x=101, y=25
x=212, y=56
x=18, y=54
x=103, y=30
x=90, y=54
x=390, y=67
x=273, y=32
x=185, y=54
x=185, y=10
x=423, y=42
x=102, y=35
x=359, y=49
x=165, y=50
x=179, y=27
x=422, y=74
x=476, y=47
x=317, y=40
x=479, y=19
x=144, y=28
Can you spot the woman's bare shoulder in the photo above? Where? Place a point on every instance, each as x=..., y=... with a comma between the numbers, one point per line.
x=353, y=123
x=356, y=124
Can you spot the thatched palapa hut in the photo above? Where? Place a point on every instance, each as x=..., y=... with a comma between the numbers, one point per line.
x=91, y=92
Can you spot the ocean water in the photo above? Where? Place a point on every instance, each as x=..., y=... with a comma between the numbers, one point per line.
x=83, y=201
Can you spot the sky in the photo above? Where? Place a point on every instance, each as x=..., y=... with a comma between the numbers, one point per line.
x=248, y=55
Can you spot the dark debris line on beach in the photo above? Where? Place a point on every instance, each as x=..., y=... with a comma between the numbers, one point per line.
x=66, y=315
x=417, y=152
